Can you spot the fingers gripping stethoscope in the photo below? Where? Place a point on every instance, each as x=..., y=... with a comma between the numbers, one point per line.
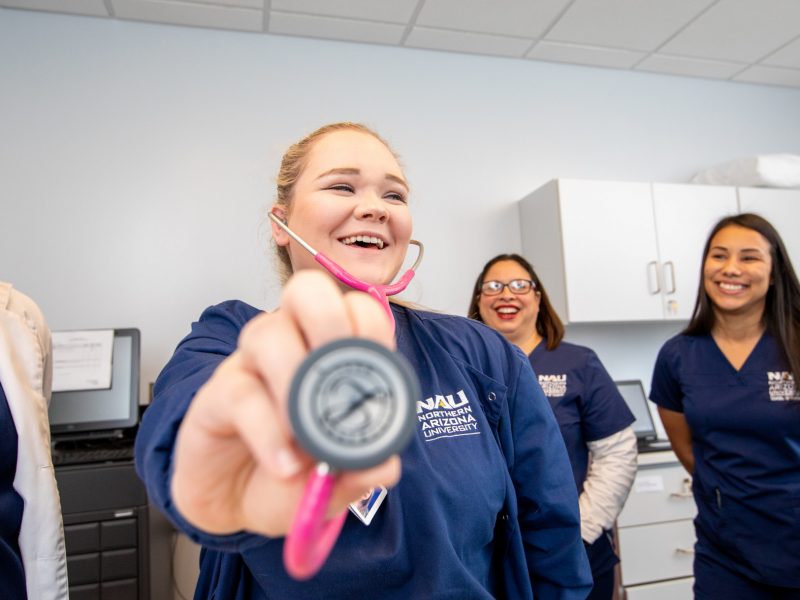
x=351, y=406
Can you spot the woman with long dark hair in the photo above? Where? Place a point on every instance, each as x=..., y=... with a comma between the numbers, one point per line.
x=591, y=414
x=726, y=392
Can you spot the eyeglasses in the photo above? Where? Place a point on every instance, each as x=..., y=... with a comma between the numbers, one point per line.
x=515, y=286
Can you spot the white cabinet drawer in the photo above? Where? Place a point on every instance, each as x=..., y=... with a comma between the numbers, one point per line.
x=679, y=589
x=656, y=552
x=658, y=495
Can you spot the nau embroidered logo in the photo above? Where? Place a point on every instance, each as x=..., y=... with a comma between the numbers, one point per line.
x=781, y=386
x=446, y=416
x=554, y=386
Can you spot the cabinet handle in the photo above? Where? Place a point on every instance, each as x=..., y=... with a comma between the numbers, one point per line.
x=686, y=491
x=652, y=268
x=684, y=551
x=681, y=495
x=671, y=276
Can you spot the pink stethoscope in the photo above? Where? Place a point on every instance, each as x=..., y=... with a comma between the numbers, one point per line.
x=311, y=537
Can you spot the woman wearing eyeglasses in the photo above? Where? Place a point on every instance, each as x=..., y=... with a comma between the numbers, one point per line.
x=594, y=419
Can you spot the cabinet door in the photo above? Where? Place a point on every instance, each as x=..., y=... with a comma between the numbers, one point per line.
x=782, y=209
x=684, y=215
x=610, y=252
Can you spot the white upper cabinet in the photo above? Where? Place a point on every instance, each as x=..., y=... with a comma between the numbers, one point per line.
x=620, y=251
x=684, y=216
x=780, y=207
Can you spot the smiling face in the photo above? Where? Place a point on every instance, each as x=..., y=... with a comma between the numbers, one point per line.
x=350, y=204
x=511, y=314
x=736, y=271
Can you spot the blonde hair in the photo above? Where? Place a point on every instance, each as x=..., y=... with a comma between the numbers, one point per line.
x=292, y=166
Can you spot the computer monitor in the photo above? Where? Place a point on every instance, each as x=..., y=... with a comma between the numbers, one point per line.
x=632, y=392
x=103, y=412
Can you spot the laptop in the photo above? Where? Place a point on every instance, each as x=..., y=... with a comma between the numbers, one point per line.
x=632, y=391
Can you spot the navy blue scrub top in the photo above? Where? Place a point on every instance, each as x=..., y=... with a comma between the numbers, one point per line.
x=745, y=428
x=12, y=574
x=588, y=407
x=485, y=507
x=585, y=400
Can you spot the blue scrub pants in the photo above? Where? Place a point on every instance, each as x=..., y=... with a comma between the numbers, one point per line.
x=715, y=581
x=603, y=588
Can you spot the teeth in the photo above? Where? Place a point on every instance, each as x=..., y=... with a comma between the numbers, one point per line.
x=732, y=287
x=364, y=239
x=507, y=310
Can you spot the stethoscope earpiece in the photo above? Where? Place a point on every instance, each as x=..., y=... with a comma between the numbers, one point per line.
x=378, y=291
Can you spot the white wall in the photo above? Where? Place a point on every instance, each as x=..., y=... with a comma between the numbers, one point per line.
x=137, y=161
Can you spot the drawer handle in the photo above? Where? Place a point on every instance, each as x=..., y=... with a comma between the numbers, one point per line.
x=686, y=492
x=681, y=495
x=684, y=551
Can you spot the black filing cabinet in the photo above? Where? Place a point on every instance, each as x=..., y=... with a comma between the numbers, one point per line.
x=106, y=531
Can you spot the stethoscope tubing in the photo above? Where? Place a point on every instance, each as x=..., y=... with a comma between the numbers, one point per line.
x=378, y=291
x=311, y=538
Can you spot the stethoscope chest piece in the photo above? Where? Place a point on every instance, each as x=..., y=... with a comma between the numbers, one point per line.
x=352, y=404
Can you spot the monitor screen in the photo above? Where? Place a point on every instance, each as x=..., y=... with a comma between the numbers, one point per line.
x=105, y=410
x=633, y=394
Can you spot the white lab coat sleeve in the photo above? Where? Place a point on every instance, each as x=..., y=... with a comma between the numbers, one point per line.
x=612, y=468
x=25, y=371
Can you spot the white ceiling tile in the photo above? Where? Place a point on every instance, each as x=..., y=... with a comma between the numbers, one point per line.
x=522, y=18
x=694, y=67
x=335, y=28
x=463, y=41
x=770, y=75
x=788, y=56
x=630, y=24
x=585, y=55
x=393, y=11
x=738, y=30
x=259, y=4
x=94, y=8
x=195, y=15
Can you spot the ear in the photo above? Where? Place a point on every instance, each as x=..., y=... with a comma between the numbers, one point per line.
x=279, y=235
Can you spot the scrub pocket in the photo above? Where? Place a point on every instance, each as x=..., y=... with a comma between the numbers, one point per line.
x=767, y=539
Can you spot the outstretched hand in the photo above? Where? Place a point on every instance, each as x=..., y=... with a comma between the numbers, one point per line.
x=237, y=465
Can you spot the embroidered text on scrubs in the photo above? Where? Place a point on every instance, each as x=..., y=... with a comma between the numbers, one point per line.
x=554, y=386
x=781, y=386
x=445, y=416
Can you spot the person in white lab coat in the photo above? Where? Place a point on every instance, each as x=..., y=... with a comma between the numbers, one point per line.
x=32, y=555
